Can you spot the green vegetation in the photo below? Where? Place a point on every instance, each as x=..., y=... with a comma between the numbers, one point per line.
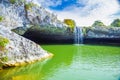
x=116, y=23
x=3, y=41
x=1, y=18
x=13, y=1
x=49, y=29
x=29, y=5
x=98, y=23
x=4, y=59
x=16, y=1
x=71, y=23
x=1, y=64
x=84, y=30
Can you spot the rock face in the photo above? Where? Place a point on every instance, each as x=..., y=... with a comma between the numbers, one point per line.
x=19, y=50
x=49, y=35
x=102, y=35
x=103, y=32
x=39, y=16
x=64, y=35
x=22, y=14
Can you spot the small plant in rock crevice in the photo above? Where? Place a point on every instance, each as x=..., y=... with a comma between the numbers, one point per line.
x=3, y=42
x=1, y=18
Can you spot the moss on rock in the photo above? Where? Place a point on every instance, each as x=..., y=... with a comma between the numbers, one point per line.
x=1, y=18
x=3, y=41
x=13, y=1
x=4, y=59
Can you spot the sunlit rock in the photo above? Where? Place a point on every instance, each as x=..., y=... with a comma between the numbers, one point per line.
x=20, y=50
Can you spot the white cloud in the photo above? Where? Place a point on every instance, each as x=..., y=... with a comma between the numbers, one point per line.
x=47, y=3
x=103, y=10
x=94, y=10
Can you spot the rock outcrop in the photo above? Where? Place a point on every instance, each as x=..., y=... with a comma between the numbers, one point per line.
x=49, y=35
x=19, y=16
x=102, y=32
x=19, y=50
x=102, y=35
x=26, y=13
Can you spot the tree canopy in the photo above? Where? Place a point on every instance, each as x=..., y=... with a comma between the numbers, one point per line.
x=116, y=23
x=98, y=23
x=71, y=23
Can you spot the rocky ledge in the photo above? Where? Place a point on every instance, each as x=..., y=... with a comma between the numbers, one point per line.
x=17, y=50
x=102, y=35
x=50, y=35
x=102, y=32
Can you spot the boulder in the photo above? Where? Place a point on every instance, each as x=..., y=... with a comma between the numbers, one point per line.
x=19, y=50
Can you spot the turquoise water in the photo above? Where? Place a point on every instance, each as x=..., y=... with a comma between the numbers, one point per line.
x=70, y=62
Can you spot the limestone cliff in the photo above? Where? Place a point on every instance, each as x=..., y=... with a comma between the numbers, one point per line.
x=102, y=32
x=19, y=50
x=23, y=13
x=18, y=16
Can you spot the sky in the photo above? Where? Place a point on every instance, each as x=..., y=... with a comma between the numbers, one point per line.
x=84, y=12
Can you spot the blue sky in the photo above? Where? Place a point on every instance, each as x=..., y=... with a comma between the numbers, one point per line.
x=67, y=3
x=84, y=12
x=64, y=4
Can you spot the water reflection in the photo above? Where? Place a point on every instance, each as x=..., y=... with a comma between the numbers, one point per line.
x=97, y=61
x=28, y=72
x=71, y=62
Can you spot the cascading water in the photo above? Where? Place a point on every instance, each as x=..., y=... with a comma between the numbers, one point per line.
x=78, y=35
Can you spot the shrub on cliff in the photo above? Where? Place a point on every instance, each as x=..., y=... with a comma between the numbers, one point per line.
x=12, y=1
x=3, y=42
x=29, y=5
x=4, y=59
x=98, y=23
x=70, y=23
x=16, y=1
x=1, y=18
x=116, y=23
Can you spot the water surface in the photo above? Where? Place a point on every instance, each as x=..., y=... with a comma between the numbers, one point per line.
x=70, y=62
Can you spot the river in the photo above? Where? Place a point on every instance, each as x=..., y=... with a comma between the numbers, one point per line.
x=71, y=62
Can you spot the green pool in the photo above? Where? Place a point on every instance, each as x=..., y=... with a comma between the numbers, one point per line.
x=70, y=62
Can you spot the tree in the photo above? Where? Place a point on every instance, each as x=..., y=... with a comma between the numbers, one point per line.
x=98, y=23
x=71, y=23
x=29, y=5
x=116, y=23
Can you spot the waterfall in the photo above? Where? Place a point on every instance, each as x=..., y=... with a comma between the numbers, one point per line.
x=78, y=35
